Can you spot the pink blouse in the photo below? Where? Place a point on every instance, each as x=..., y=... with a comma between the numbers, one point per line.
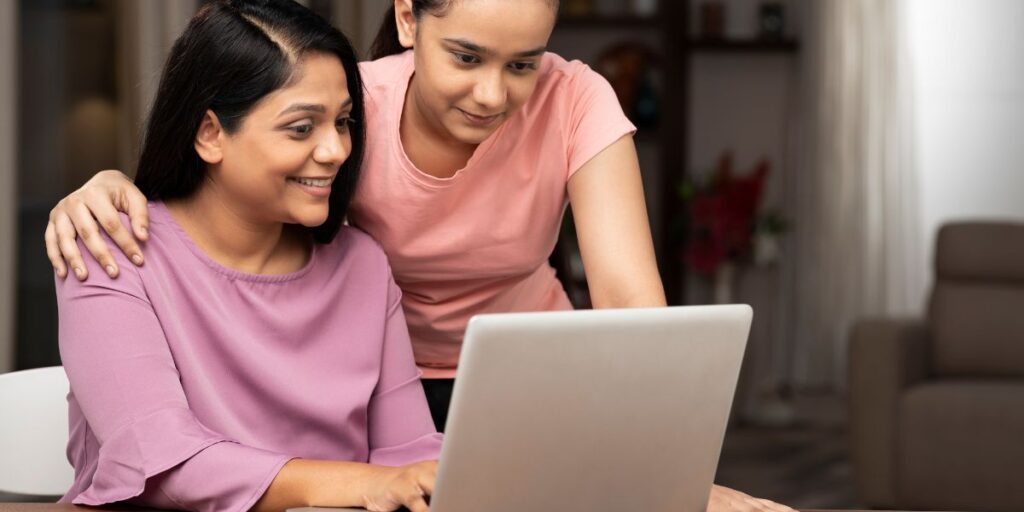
x=193, y=384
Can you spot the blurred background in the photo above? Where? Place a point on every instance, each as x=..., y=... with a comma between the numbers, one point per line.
x=801, y=156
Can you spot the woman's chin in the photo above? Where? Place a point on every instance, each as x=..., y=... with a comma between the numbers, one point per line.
x=311, y=218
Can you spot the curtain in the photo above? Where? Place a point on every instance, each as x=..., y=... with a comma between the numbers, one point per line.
x=146, y=31
x=8, y=178
x=856, y=245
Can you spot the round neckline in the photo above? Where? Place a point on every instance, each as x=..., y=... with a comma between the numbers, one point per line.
x=160, y=212
x=398, y=98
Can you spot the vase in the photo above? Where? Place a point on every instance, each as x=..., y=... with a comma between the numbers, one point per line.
x=721, y=292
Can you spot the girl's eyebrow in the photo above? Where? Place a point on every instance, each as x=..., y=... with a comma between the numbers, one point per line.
x=311, y=107
x=473, y=47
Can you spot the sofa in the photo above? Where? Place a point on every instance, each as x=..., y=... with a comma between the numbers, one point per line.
x=937, y=404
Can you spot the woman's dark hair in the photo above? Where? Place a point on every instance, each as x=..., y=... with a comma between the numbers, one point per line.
x=386, y=43
x=232, y=54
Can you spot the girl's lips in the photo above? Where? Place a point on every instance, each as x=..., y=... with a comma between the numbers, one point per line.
x=479, y=120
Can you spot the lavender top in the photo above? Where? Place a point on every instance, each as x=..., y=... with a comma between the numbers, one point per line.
x=192, y=384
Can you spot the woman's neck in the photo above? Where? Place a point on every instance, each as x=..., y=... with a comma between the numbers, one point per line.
x=237, y=239
x=427, y=144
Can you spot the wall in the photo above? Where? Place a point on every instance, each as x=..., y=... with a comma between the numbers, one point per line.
x=969, y=91
x=8, y=181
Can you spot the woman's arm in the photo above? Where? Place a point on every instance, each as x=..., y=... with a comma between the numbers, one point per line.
x=154, y=450
x=81, y=214
x=607, y=200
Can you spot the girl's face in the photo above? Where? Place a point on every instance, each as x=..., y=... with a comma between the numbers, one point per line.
x=278, y=167
x=477, y=63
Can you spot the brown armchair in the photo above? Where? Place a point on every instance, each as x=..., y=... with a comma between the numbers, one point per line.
x=937, y=405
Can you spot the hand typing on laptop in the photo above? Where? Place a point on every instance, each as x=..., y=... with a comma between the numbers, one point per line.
x=724, y=499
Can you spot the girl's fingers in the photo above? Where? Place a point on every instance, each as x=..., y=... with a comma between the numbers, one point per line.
x=53, y=250
x=66, y=236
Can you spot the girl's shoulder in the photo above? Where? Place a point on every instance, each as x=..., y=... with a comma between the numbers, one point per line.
x=562, y=86
x=386, y=70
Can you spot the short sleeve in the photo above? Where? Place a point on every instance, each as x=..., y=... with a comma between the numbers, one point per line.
x=596, y=119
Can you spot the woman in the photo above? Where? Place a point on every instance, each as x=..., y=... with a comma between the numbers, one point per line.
x=480, y=137
x=260, y=358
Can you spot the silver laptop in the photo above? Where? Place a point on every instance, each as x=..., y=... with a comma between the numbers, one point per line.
x=591, y=410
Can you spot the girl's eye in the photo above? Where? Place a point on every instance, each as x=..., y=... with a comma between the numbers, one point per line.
x=523, y=66
x=344, y=123
x=465, y=58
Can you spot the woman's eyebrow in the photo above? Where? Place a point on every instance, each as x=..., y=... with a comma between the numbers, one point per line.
x=303, y=107
x=473, y=47
x=312, y=107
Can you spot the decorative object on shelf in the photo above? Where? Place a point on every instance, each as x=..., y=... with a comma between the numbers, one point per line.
x=577, y=8
x=629, y=68
x=772, y=20
x=712, y=19
x=645, y=8
x=725, y=227
x=611, y=8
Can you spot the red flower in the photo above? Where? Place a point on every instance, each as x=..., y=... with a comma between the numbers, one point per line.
x=722, y=216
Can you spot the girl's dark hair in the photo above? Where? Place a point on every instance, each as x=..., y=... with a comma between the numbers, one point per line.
x=386, y=43
x=232, y=54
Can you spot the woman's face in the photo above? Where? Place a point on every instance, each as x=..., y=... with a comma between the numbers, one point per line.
x=477, y=63
x=281, y=162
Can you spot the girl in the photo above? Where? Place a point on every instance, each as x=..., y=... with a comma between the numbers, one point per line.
x=480, y=138
x=260, y=358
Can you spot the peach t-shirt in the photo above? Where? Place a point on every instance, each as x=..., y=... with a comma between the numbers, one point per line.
x=479, y=241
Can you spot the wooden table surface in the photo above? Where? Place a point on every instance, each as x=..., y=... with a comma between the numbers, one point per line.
x=60, y=507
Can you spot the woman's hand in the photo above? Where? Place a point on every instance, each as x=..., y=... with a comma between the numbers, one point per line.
x=404, y=486
x=724, y=499
x=336, y=484
x=81, y=213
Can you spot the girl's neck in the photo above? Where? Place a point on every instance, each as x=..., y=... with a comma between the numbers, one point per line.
x=238, y=239
x=428, y=145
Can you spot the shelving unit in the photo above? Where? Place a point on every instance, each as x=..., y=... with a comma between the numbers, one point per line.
x=677, y=47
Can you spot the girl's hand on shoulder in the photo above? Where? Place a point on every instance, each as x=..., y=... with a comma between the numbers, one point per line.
x=403, y=486
x=82, y=213
x=724, y=499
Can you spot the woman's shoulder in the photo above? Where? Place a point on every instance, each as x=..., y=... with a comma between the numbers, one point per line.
x=354, y=245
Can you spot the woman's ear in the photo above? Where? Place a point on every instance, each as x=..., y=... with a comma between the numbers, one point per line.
x=406, y=22
x=209, y=139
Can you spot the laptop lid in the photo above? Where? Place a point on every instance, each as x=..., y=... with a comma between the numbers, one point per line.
x=591, y=410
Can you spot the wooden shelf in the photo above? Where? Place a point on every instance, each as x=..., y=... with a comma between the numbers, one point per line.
x=744, y=46
x=604, y=22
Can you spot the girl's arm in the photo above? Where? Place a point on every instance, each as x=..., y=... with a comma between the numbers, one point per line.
x=82, y=214
x=615, y=241
x=607, y=200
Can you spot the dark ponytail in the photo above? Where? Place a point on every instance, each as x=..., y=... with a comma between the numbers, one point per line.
x=386, y=43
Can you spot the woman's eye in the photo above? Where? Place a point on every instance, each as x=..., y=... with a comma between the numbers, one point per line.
x=343, y=124
x=301, y=129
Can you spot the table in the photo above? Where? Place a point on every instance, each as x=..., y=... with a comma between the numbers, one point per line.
x=62, y=507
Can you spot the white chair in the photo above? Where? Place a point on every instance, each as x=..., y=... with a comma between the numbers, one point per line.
x=34, y=432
